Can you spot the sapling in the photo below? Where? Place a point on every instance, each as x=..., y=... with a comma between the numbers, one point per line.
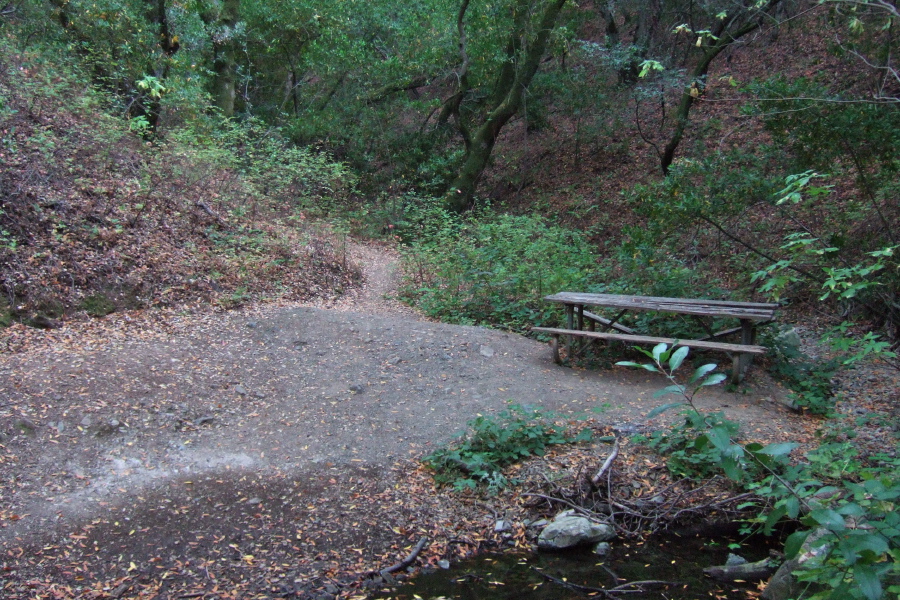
x=849, y=540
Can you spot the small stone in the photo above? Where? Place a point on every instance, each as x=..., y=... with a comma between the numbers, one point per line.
x=501, y=526
x=240, y=390
x=86, y=422
x=357, y=388
x=252, y=324
x=444, y=563
x=203, y=420
x=114, y=423
x=254, y=501
x=394, y=360
x=107, y=428
x=789, y=338
x=539, y=523
x=735, y=560
x=486, y=351
x=602, y=549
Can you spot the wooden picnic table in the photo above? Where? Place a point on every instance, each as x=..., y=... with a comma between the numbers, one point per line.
x=748, y=315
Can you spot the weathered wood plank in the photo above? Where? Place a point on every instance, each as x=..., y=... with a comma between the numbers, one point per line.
x=722, y=333
x=647, y=339
x=608, y=323
x=756, y=311
x=561, y=296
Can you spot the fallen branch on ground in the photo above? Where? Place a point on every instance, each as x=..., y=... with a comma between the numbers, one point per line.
x=607, y=465
x=625, y=588
x=406, y=561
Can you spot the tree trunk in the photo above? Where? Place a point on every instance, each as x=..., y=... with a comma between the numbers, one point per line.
x=151, y=104
x=725, y=39
x=510, y=91
x=225, y=48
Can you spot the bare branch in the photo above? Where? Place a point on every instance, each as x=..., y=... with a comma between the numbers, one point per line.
x=607, y=465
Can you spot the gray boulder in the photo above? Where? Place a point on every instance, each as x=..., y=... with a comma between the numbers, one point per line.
x=568, y=530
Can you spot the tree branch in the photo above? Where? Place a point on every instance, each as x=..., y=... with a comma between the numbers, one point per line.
x=410, y=559
x=607, y=465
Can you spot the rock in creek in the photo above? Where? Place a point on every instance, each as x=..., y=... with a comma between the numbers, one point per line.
x=568, y=530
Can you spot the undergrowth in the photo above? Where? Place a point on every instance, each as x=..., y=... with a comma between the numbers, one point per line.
x=96, y=218
x=843, y=505
x=494, y=442
x=496, y=269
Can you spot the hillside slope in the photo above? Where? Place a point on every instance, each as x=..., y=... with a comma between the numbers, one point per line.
x=94, y=218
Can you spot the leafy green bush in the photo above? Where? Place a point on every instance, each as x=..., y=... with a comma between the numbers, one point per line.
x=808, y=379
x=688, y=451
x=850, y=521
x=270, y=166
x=493, y=443
x=809, y=382
x=647, y=268
x=495, y=270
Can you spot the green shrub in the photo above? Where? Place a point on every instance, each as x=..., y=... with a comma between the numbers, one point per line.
x=688, y=452
x=98, y=305
x=809, y=382
x=852, y=513
x=808, y=379
x=493, y=443
x=495, y=270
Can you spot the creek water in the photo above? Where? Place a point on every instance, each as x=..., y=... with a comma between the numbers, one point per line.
x=679, y=560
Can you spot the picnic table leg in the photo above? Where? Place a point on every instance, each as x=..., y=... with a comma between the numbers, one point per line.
x=580, y=322
x=737, y=367
x=570, y=324
x=554, y=349
x=742, y=360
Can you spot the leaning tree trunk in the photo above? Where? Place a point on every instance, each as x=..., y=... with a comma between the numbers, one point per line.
x=510, y=92
x=725, y=39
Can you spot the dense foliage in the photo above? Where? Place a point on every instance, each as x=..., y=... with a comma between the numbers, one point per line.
x=847, y=544
x=496, y=270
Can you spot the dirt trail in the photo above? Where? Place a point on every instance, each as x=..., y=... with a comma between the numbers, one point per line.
x=265, y=422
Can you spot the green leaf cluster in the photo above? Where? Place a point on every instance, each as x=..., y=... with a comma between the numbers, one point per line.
x=849, y=537
x=495, y=442
x=496, y=269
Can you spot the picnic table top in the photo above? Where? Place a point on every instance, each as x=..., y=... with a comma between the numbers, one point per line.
x=757, y=311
